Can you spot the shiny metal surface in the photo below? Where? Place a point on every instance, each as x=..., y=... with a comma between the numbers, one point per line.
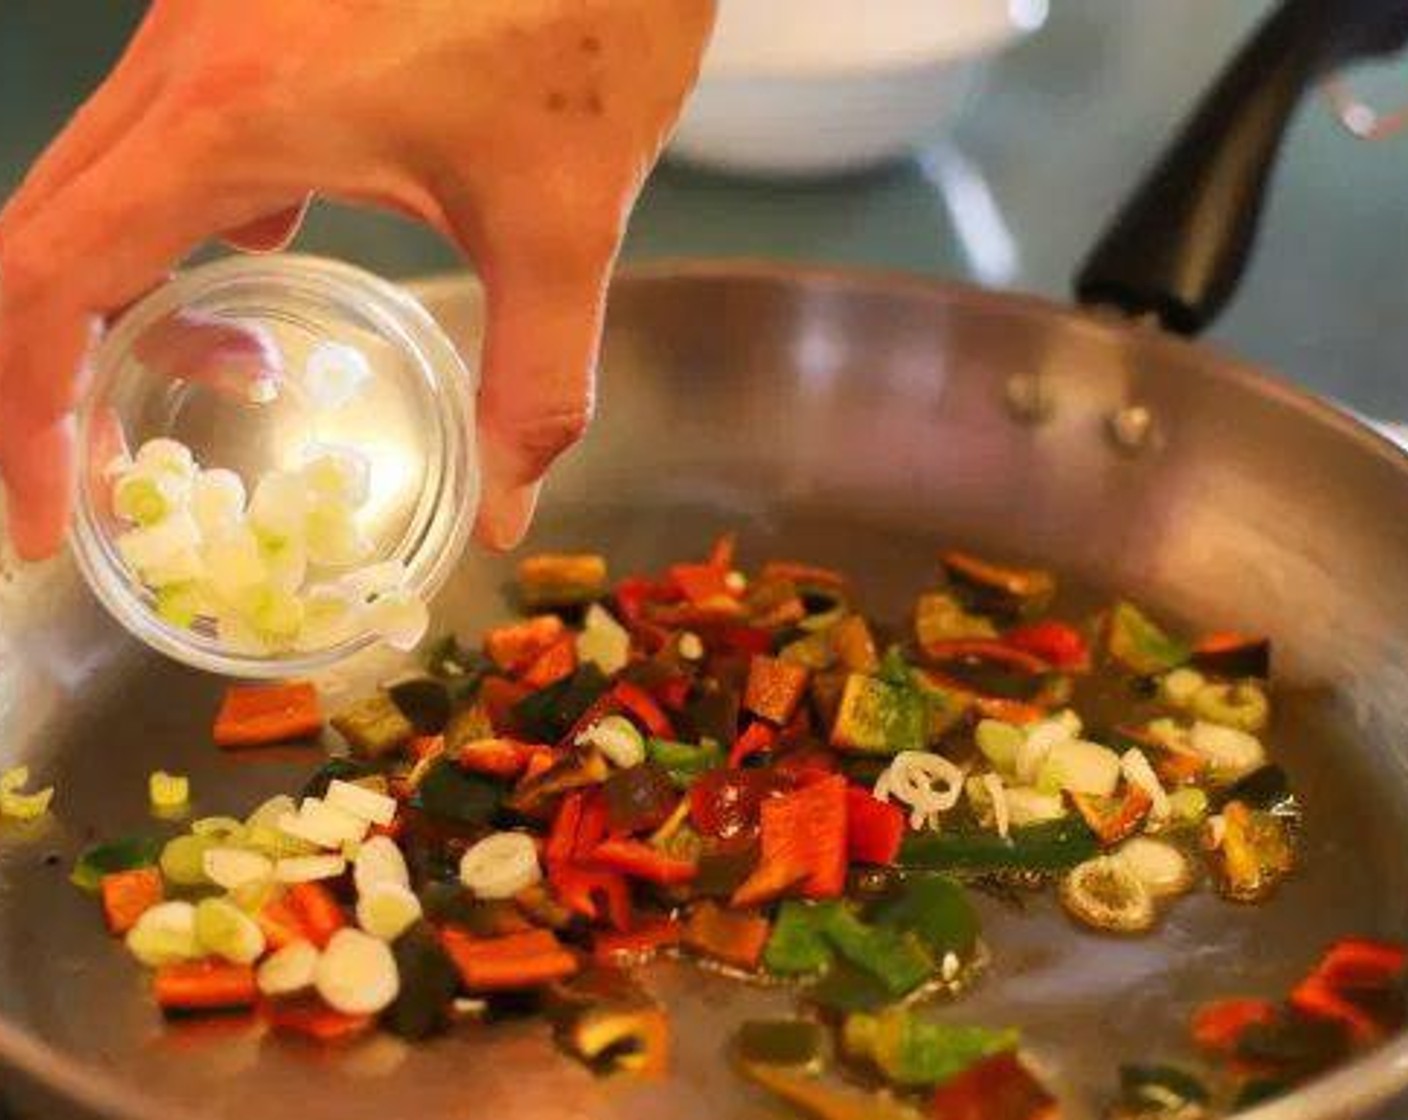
x=851, y=419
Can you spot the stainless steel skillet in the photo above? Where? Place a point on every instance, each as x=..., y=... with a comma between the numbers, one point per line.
x=854, y=419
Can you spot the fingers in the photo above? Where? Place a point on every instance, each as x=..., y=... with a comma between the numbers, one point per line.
x=270, y=233
x=100, y=241
x=537, y=392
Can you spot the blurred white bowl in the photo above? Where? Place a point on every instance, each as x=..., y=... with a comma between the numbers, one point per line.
x=821, y=87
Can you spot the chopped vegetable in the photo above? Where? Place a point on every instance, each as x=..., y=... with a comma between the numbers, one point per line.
x=1249, y=852
x=501, y=865
x=1234, y=655
x=1053, y=846
x=824, y=1100
x=734, y=937
x=117, y=855
x=127, y=895
x=1113, y=819
x=615, y=737
x=258, y=715
x=804, y=843
x=1107, y=895
x=797, y=945
x=918, y=1054
x=637, y=945
x=684, y=762
x=1135, y=642
x=1057, y=643
x=877, y=717
x=288, y=970
x=895, y=959
x=521, y=960
x=874, y=829
x=552, y=580
x=774, y=688
x=792, y=1043
x=424, y=701
x=374, y=727
x=387, y=910
x=168, y=793
x=226, y=931
x=1242, y=706
x=613, y=1025
x=316, y=911
x=1162, y=868
x=449, y=794
x=204, y=986
x=356, y=974
x=429, y=981
x=996, y=1088
x=1149, y=1091
x=936, y=910
x=992, y=587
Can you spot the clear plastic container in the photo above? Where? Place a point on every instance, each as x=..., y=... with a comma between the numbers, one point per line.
x=217, y=359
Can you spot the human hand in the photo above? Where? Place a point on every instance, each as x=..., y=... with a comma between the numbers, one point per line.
x=520, y=129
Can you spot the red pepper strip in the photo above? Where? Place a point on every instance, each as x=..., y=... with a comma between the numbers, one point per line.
x=995, y=1088
x=555, y=663
x=1057, y=643
x=758, y=739
x=314, y=1019
x=634, y=593
x=499, y=758
x=722, y=554
x=127, y=895
x=499, y=695
x=257, y=715
x=805, y=574
x=802, y=831
x=639, y=944
x=519, y=960
x=562, y=837
x=318, y=912
x=1350, y=965
x=540, y=762
x=581, y=825
x=775, y=688
x=874, y=828
x=591, y=827
x=1218, y=1026
x=989, y=649
x=989, y=707
x=641, y=861
x=204, y=986
x=1221, y=641
x=515, y=647
x=643, y=707
x=425, y=746
x=704, y=586
x=737, y=638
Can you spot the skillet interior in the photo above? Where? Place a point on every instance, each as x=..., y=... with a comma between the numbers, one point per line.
x=849, y=419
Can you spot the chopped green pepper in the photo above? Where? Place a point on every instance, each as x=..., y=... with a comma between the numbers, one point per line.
x=847, y=988
x=915, y=1053
x=684, y=762
x=1140, y=645
x=936, y=909
x=118, y=855
x=879, y=717
x=1050, y=846
x=798, y=944
x=895, y=959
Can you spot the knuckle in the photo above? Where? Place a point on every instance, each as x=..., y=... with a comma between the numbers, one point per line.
x=540, y=438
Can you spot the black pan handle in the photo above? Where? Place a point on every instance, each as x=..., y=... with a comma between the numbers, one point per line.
x=1181, y=243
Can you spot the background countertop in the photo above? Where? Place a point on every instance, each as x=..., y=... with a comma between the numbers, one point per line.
x=1062, y=128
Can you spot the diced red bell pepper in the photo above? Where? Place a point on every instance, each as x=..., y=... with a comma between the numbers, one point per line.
x=805, y=832
x=999, y=1087
x=775, y=688
x=1057, y=643
x=804, y=767
x=1114, y=819
x=311, y=1018
x=318, y=912
x=516, y=961
x=205, y=985
x=988, y=649
x=555, y=663
x=738, y=638
x=640, y=704
x=1218, y=1026
x=592, y=827
x=127, y=895
x=639, y=860
x=583, y=891
x=513, y=648
x=874, y=828
x=647, y=939
x=259, y=715
x=1353, y=969
x=562, y=837
x=758, y=739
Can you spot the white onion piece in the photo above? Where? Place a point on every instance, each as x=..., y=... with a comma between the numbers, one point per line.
x=279, y=505
x=376, y=808
x=334, y=375
x=379, y=860
x=337, y=474
x=501, y=865
x=168, y=456
x=217, y=501
x=357, y=974
x=333, y=536
x=288, y=970
x=387, y=910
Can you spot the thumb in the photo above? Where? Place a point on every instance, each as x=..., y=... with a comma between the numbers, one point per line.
x=542, y=332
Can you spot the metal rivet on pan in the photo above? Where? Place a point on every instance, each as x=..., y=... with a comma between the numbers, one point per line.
x=1029, y=397
x=1131, y=427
